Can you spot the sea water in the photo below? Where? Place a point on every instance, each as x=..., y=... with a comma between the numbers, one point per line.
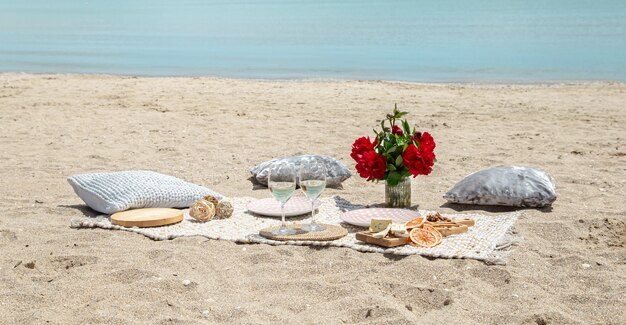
x=414, y=40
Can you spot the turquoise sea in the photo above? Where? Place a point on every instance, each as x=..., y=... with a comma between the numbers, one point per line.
x=428, y=41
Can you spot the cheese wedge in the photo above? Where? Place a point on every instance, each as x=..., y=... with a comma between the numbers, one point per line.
x=383, y=233
x=399, y=230
x=378, y=225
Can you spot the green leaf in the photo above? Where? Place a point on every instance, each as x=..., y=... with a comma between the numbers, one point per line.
x=391, y=167
x=393, y=178
x=406, y=127
x=399, y=161
x=401, y=114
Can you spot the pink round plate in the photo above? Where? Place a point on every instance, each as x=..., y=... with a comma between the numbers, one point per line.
x=269, y=207
x=363, y=217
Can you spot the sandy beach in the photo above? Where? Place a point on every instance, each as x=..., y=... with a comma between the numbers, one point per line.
x=570, y=267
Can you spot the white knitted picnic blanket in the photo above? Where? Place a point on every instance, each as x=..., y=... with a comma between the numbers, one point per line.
x=487, y=241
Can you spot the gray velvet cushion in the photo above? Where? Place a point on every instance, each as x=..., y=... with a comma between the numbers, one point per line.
x=505, y=185
x=336, y=172
x=119, y=191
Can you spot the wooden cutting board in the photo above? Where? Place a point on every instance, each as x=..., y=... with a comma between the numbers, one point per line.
x=366, y=236
x=447, y=231
x=150, y=217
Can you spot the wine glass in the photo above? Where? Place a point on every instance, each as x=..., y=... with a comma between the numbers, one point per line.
x=282, y=183
x=312, y=177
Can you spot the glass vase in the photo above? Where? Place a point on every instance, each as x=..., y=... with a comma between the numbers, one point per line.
x=398, y=196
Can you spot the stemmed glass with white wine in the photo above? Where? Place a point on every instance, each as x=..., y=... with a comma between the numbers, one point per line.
x=312, y=178
x=282, y=183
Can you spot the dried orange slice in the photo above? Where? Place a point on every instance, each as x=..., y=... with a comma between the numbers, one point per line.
x=414, y=223
x=428, y=226
x=424, y=238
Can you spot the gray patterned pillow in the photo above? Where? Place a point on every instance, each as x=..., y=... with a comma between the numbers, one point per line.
x=509, y=186
x=118, y=191
x=336, y=172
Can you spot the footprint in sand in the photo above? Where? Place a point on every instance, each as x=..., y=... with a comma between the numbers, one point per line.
x=127, y=276
x=492, y=275
x=608, y=231
x=6, y=237
x=61, y=263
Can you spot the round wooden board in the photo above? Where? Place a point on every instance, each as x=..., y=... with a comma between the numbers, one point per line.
x=332, y=232
x=150, y=217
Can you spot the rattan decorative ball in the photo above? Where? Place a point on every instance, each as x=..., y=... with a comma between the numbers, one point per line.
x=224, y=209
x=202, y=210
x=211, y=199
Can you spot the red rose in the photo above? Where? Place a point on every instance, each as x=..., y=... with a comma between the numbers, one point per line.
x=361, y=146
x=372, y=166
x=417, y=162
x=396, y=130
x=427, y=143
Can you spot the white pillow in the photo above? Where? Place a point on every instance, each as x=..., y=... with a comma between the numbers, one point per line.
x=509, y=186
x=336, y=172
x=118, y=191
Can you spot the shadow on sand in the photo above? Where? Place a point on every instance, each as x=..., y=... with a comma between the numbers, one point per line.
x=490, y=208
x=84, y=209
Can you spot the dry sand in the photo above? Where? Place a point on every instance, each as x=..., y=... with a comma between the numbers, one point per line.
x=571, y=267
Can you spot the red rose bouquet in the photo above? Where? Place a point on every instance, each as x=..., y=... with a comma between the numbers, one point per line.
x=397, y=151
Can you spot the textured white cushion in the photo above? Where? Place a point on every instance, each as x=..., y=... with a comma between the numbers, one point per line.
x=336, y=172
x=119, y=191
x=505, y=185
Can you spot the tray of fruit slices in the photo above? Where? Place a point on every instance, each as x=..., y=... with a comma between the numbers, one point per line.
x=427, y=231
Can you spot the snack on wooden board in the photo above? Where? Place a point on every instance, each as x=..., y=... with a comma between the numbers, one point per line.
x=427, y=231
x=392, y=228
